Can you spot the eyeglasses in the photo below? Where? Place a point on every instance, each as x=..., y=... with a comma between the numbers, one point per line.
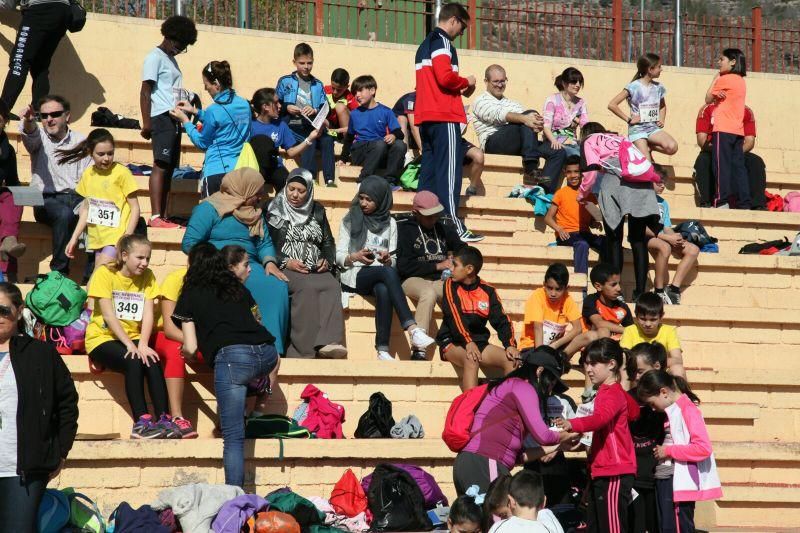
x=6, y=311
x=498, y=83
x=54, y=114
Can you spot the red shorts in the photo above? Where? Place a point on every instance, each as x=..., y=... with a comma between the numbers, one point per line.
x=171, y=359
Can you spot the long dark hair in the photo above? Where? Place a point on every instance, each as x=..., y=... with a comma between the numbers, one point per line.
x=220, y=72
x=604, y=351
x=590, y=128
x=543, y=383
x=570, y=75
x=207, y=270
x=85, y=147
x=654, y=380
x=644, y=64
x=464, y=509
x=734, y=54
x=652, y=352
x=15, y=295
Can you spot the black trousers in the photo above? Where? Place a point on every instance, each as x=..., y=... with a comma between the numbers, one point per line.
x=637, y=237
x=609, y=498
x=707, y=185
x=727, y=157
x=40, y=30
x=644, y=512
x=375, y=155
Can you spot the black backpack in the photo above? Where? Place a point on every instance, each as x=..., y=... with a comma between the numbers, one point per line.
x=756, y=247
x=695, y=233
x=396, y=501
x=377, y=422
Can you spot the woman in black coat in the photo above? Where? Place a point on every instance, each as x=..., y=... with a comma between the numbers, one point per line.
x=38, y=416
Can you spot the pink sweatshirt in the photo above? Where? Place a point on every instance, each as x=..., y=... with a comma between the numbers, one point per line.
x=597, y=149
x=695, y=476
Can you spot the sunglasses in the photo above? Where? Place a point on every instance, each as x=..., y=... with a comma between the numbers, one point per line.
x=54, y=114
x=6, y=311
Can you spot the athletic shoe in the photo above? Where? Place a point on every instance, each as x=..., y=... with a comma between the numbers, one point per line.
x=332, y=351
x=665, y=297
x=673, y=295
x=185, y=427
x=468, y=236
x=331, y=183
x=409, y=158
x=145, y=428
x=420, y=340
x=471, y=191
x=162, y=223
x=171, y=430
x=418, y=355
x=384, y=356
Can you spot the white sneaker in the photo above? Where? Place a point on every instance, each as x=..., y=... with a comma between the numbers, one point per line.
x=420, y=340
x=384, y=356
x=409, y=158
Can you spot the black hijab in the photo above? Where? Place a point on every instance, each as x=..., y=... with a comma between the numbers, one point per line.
x=379, y=190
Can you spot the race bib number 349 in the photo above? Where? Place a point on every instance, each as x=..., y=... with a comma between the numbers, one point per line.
x=128, y=305
x=103, y=213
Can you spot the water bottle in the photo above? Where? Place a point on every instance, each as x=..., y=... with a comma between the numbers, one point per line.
x=446, y=273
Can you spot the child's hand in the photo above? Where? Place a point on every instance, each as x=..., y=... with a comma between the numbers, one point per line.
x=147, y=355
x=314, y=135
x=659, y=453
x=564, y=424
x=308, y=111
x=389, y=139
x=131, y=350
x=721, y=96
x=635, y=119
x=556, y=145
x=70, y=250
x=562, y=235
x=660, y=123
x=512, y=353
x=473, y=352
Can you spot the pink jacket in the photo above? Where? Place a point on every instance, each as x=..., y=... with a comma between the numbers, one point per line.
x=695, y=476
x=324, y=418
x=597, y=149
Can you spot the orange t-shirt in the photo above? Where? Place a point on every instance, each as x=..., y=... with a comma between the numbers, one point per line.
x=554, y=318
x=729, y=115
x=571, y=215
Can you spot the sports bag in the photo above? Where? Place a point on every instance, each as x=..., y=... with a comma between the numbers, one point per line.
x=757, y=247
x=126, y=519
x=55, y=299
x=274, y=427
x=68, y=510
x=409, y=179
x=396, y=501
x=634, y=165
x=460, y=415
x=300, y=508
x=694, y=232
x=377, y=421
x=791, y=202
x=77, y=18
x=774, y=201
x=431, y=492
x=348, y=497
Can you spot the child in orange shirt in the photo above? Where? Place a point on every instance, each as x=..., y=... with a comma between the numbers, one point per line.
x=570, y=219
x=728, y=91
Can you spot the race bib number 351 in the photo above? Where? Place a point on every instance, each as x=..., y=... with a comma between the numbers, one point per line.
x=103, y=213
x=128, y=305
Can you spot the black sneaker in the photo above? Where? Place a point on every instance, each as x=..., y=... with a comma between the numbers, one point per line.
x=418, y=355
x=674, y=296
x=145, y=428
x=468, y=236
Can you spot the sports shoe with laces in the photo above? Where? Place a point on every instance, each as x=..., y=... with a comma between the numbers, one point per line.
x=673, y=295
x=171, y=430
x=418, y=355
x=468, y=236
x=162, y=223
x=185, y=427
x=145, y=428
x=384, y=356
x=665, y=297
x=420, y=340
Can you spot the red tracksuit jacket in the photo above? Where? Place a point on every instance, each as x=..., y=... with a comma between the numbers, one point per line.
x=438, y=84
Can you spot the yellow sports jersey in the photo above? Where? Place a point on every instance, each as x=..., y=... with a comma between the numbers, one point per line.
x=667, y=336
x=128, y=296
x=107, y=193
x=170, y=290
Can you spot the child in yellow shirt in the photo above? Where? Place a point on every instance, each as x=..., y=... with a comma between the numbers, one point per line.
x=649, y=327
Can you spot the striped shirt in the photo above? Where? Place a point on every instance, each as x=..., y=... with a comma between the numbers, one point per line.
x=46, y=174
x=490, y=113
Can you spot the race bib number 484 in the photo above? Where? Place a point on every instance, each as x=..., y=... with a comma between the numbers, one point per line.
x=103, y=213
x=128, y=305
x=649, y=112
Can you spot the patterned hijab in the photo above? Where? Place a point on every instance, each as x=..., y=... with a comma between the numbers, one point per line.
x=379, y=190
x=237, y=187
x=281, y=211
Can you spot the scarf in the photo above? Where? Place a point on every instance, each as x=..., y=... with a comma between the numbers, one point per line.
x=281, y=211
x=379, y=190
x=236, y=188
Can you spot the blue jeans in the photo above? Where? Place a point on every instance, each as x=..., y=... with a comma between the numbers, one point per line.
x=234, y=367
x=58, y=212
x=19, y=504
x=384, y=284
x=581, y=241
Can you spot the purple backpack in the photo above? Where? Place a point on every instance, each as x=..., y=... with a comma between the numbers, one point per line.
x=430, y=489
x=235, y=513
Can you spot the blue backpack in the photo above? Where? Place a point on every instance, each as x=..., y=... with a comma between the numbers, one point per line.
x=126, y=519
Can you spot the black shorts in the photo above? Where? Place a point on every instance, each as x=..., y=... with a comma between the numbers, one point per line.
x=446, y=344
x=166, y=139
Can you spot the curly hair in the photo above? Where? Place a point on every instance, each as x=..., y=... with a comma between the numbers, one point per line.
x=207, y=270
x=180, y=29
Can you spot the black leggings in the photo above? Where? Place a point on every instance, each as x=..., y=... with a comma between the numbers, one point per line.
x=637, y=237
x=111, y=355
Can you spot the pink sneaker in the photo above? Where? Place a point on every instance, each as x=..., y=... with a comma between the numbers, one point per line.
x=159, y=222
x=185, y=427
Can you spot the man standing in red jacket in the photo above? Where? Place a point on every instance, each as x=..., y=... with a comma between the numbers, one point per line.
x=440, y=112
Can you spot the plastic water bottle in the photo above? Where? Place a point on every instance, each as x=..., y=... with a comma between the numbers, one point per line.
x=446, y=273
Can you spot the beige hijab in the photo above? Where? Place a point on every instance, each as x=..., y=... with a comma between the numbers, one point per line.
x=236, y=188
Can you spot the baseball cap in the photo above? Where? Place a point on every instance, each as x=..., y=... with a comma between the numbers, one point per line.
x=426, y=203
x=547, y=358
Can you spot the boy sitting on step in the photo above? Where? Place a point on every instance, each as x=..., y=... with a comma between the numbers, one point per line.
x=571, y=220
x=603, y=311
x=649, y=327
x=468, y=304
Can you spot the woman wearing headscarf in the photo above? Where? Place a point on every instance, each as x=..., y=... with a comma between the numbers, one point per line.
x=306, y=253
x=366, y=254
x=233, y=216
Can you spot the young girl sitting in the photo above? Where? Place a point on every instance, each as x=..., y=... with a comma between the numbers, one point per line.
x=120, y=328
x=564, y=112
x=612, y=461
x=695, y=475
x=648, y=108
x=110, y=208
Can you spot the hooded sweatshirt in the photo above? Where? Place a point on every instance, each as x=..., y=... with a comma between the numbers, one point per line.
x=612, y=452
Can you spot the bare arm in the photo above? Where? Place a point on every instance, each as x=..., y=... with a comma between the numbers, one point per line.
x=189, y=338
x=702, y=141
x=414, y=130
x=300, y=147
x=145, y=104
x=538, y=333
x=749, y=143
x=598, y=323
x=171, y=331
x=568, y=336
x=613, y=105
x=710, y=98
x=80, y=227
x=147, y=324
x=550, y=220
x=136, y=211
x=113, y=323
x=344, y=117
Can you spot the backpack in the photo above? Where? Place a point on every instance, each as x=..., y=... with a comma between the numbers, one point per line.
x=348, y=497
x=460, y=415
x=323, y=418
x=774, y=201
x=126, y=519
x=293, y=504
x=377, y=421
x=431, y=492
x=396, y=501
x=758, y=247
x=274, y=427
x=634, y=165
x=55, y=299
x=70, y=510
x=694, y=232
x=409, y=179
x=791, y=203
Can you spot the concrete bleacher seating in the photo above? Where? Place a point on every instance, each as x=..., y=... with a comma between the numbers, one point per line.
x=739, y=325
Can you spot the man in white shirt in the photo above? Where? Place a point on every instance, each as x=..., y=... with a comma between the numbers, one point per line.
x=57, y=182
x=505, y=127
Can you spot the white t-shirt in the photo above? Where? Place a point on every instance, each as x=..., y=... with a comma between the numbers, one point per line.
x=8, y=411
x=162, y=68
x=545, y=522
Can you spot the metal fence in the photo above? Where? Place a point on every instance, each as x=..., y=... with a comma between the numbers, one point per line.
x=538, y=27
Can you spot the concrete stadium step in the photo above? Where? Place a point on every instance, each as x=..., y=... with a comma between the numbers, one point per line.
x=135, y=471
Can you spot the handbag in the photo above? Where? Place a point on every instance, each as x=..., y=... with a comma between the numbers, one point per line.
x=77, y=17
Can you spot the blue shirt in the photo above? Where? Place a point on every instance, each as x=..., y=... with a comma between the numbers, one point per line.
x=371, y=124
x=663, y=212
x=162, y=69
x=281, y=135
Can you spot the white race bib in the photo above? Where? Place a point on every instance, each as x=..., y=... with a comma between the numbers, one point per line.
x=552, y=331
x=128, y=305
x=648, y=112
x=103, y=213
x=585, y=409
